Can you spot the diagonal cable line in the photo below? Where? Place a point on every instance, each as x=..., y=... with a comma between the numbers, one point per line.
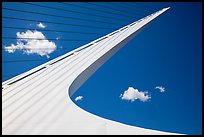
x=135, y=4
x=59, y=16
x=98, y=10
x=131, y=7
x=107, y=7
x=33, y=60
x=76, y=12
x=146, y=6
x=32, y=49
x=59, y=23
x=46, y=39
x=51, y=30
x=6, y=76
x=141, y=6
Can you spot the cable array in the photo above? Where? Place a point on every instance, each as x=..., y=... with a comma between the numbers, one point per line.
x=57, y=23
x=72, y=11
x=59, y=16
x=102, y=13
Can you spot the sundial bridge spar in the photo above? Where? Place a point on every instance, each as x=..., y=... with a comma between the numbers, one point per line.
x=38, y=101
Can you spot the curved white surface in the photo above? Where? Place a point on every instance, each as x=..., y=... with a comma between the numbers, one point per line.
x=40, y=103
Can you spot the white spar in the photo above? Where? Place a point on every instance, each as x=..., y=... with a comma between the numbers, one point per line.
x=38, y=101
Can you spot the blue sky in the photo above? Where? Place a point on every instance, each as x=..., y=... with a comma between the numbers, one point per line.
x=166, y=53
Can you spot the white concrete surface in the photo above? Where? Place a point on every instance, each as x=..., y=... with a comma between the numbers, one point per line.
x=40, y=103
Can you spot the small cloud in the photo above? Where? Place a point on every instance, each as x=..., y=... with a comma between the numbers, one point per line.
x=57, y=38
x=121, y=95
x=31, y=25
x=30, y=42
x=41, y=25
x=162, y=89
x=78, y=98
x=134, y=94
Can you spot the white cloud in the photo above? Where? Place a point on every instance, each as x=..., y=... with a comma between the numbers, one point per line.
x=33, y=44
x=40, y=25
x=78, y=98
x=162, y=89
x=57, y=38
x=134, y=94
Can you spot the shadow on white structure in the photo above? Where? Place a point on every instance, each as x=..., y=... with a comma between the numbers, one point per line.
x=38, y=101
